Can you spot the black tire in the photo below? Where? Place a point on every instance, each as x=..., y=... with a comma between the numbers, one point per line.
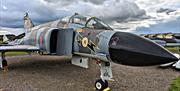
x=100, y=85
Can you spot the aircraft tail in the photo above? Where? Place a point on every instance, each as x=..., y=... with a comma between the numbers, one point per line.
x=5, y=38
x=27, y=23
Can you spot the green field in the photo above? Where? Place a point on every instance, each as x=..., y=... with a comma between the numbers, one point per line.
x=16, y=53
x=175, y=86
x=173, y=49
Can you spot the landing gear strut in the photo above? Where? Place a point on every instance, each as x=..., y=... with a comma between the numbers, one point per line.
x=106, y=74
x=3, y=62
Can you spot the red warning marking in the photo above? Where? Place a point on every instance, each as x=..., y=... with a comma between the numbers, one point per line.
x=41, y=39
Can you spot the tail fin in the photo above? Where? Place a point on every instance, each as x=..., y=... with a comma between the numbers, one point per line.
x=27, y=22
x=5, y=38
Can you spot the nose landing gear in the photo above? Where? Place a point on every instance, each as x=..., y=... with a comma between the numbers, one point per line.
x=106, y=74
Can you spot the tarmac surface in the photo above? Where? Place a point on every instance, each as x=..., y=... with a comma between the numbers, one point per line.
x=47, y=73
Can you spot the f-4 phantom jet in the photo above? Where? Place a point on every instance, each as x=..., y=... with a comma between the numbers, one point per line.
x=84, y=37
x=165, y=39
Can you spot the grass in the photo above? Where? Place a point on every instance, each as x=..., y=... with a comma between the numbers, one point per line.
x=15, y=53
x=175, y=86
x=173, y=49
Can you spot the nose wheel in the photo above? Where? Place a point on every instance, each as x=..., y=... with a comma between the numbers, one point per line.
x=101, y=85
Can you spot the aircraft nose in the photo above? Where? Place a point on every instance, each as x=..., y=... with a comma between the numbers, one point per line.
x=130, y=49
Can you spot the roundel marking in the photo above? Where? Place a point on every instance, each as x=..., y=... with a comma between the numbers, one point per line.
x=85, y=42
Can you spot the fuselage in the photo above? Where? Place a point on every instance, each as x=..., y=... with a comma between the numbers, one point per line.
x=90, y=35
x=43, y=35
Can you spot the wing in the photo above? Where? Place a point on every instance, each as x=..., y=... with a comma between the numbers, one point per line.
x=8, y=48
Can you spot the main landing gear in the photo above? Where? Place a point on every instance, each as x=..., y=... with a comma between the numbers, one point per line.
x=3, y=62
x=106, y=74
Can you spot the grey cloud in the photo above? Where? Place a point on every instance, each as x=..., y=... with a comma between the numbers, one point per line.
x=61, y=2
x=121, y=10
x=109, y=10
x=163, y=27
x=95, y=1
x=67, y=2
x=13, y=16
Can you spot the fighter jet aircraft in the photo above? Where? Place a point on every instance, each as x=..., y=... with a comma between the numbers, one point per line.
x=83, y=37
x=165, y=39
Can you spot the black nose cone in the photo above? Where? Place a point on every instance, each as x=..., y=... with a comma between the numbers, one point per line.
x=130, y=49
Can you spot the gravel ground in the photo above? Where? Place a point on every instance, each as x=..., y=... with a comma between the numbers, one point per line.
x=47, y=73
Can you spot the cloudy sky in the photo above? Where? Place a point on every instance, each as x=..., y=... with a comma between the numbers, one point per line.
x=138, y=16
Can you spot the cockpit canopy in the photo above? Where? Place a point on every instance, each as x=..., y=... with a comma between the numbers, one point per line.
x=87, y=22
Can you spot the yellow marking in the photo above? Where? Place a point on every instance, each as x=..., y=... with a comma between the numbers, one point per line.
x=94, y=44
x=107, y=89
x=79, y=30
